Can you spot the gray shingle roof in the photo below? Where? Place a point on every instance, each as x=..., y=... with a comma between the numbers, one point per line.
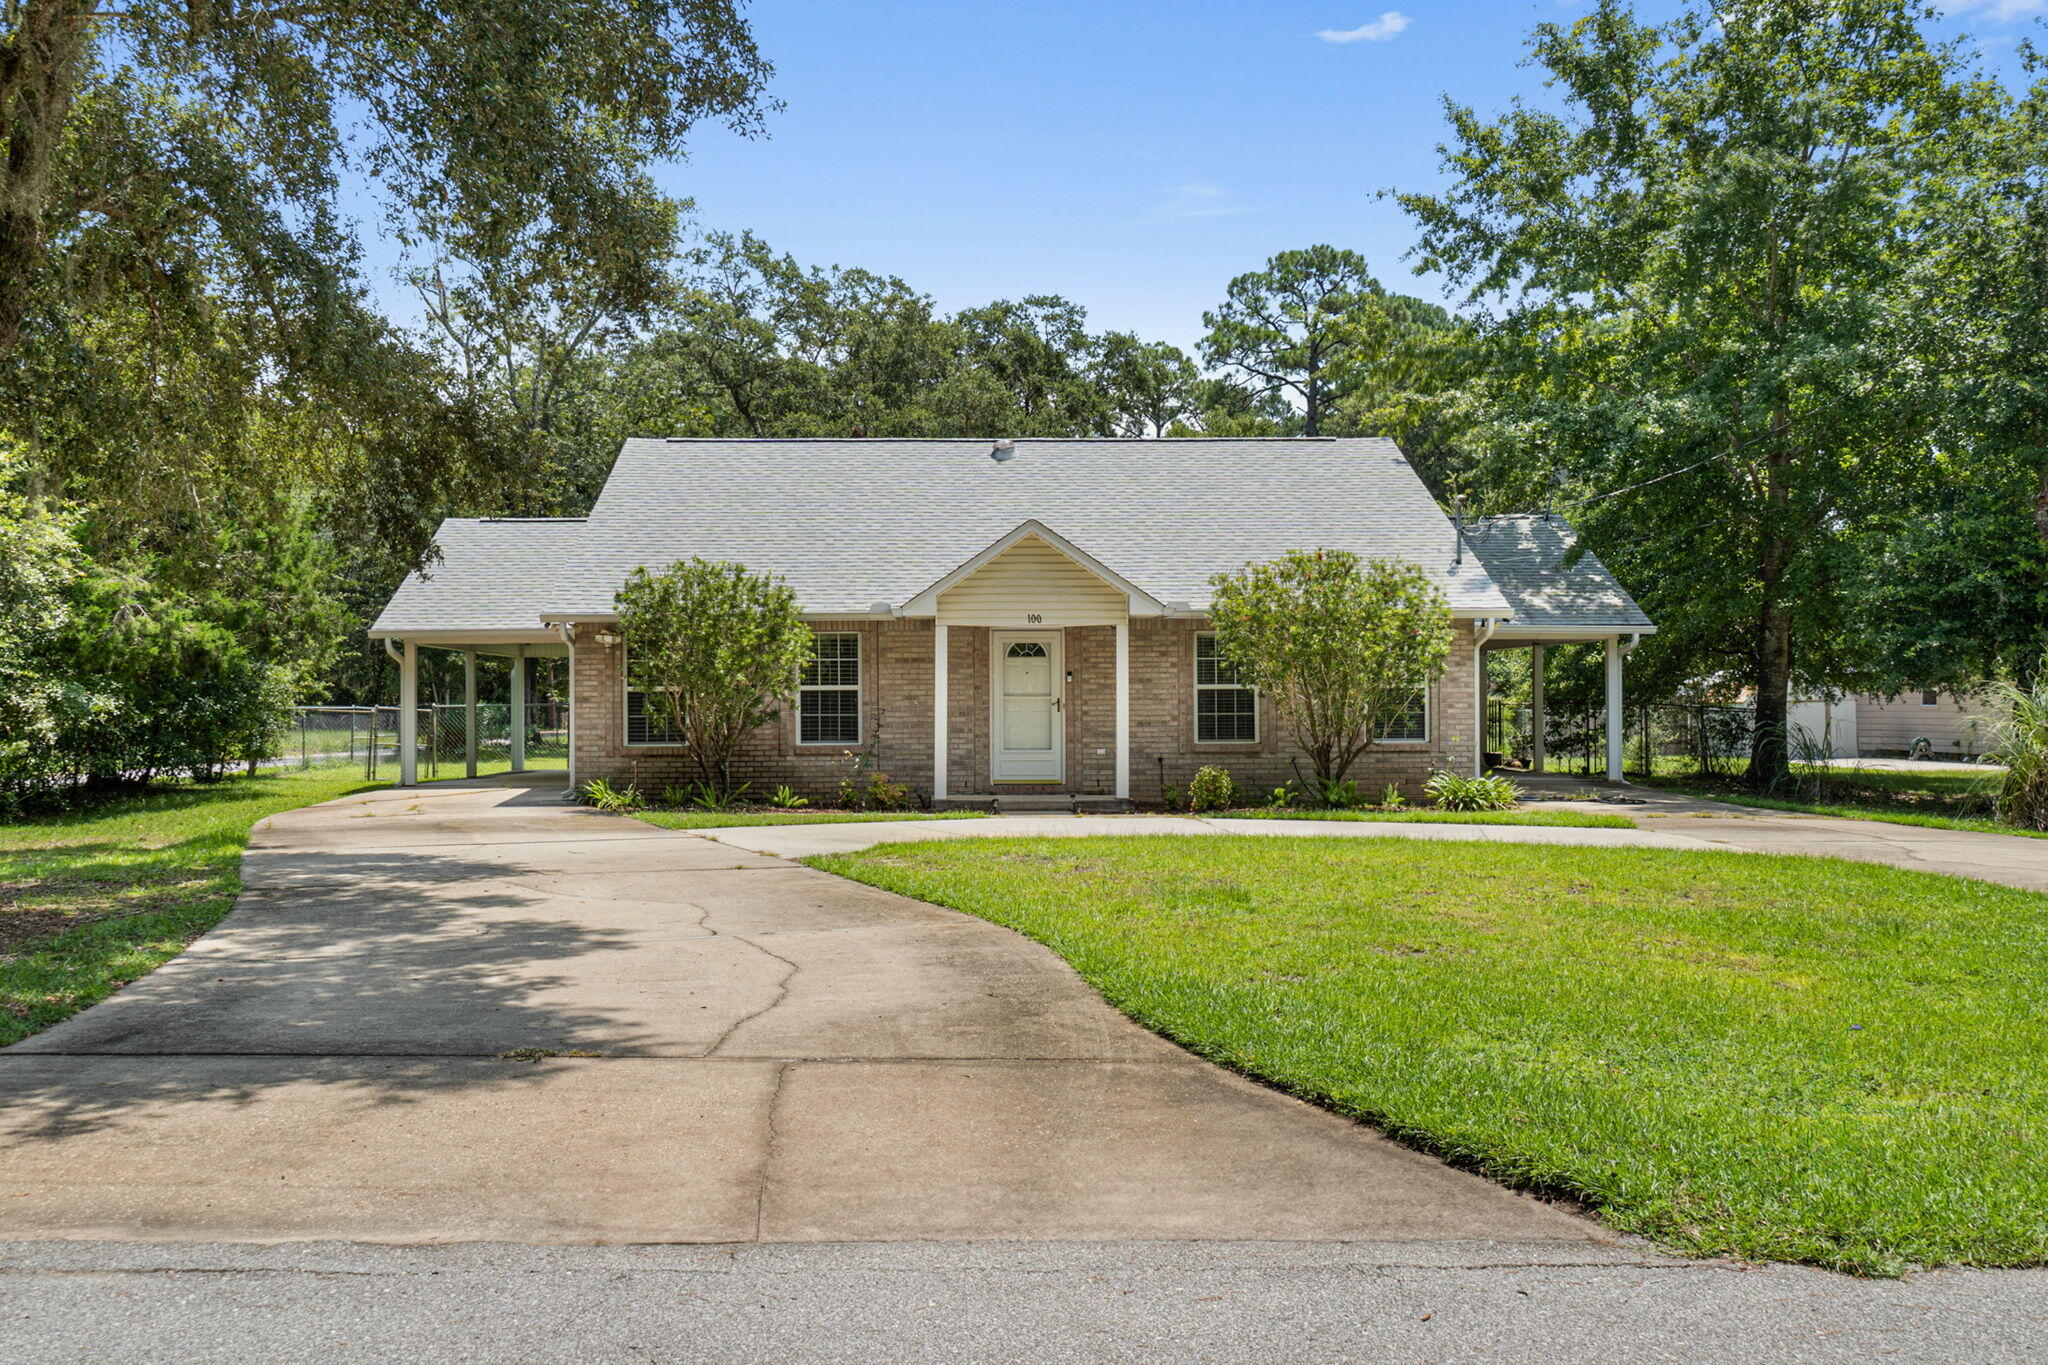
x=850, y=523
x=1523, y=555
x=854, y=522
x=492, y=575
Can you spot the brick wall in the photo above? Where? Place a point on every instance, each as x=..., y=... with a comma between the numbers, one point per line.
x=896, y=713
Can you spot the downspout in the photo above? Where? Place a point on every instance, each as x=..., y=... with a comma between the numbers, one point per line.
x=1482, y=631
x=567, y=630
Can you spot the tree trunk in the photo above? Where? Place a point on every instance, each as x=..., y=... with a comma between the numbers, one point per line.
x=39, y=63
x=1768, y=748
x=1769, y=741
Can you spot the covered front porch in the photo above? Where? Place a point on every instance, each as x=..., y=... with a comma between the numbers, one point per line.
x=1031, y=672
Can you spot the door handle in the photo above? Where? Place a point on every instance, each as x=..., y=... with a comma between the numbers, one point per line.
x=1059, y=704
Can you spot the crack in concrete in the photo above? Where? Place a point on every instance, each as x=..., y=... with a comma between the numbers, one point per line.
x=769, y=1149
x=781, y=995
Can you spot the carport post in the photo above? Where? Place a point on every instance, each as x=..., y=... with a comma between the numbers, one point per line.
x=1535, y=708
x=469, y=713
x=1614, y=714
x=409, y=715
x=519, y=708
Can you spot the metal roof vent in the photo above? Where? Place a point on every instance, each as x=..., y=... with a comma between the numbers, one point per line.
x=1003, y=452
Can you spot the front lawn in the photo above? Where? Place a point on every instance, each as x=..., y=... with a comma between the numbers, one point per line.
x=1774, y=1058
x=1569, y=818
x=92, y=899
x=725, y=819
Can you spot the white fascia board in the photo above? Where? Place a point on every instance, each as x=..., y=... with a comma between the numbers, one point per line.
x=1142, y=603
x=442, y=635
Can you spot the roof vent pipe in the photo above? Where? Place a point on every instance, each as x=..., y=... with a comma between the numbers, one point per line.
x=1003, y=452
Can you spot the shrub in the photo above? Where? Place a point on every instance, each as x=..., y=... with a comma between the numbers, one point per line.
x=604, y=796
x=2022, y=746
x=1170, y=796
x=1455, y=791
x=876, y=793
x=1339, y=794
x=1342, y=648
x=1212, y=789
x=719, y=650
x=1282, y=796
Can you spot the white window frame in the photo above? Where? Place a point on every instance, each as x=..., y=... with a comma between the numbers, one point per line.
x=626, y=691
x=1201, y=687
x=1426, y=711
x=859, y=690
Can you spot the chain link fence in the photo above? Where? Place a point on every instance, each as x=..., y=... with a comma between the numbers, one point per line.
x=366, y=737
x=1660, y=738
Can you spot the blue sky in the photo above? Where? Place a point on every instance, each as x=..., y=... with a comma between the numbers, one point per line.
x=1132, y=155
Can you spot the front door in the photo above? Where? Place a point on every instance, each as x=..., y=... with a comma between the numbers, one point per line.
x=1029, y=724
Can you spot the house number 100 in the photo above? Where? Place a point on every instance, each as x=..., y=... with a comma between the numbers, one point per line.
x=1032, y=618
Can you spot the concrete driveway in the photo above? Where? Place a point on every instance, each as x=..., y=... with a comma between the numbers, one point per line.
x=725, y=1047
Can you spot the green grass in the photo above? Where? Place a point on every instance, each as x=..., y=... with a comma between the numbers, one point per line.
x=1775, y=1058
x=93, y=899
x=724, y=819
x=1570, y=819
x=1932, y=800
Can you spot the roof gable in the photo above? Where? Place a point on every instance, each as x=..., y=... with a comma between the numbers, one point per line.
x=1032, y=553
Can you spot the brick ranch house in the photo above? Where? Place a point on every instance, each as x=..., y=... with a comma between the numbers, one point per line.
x=1015, y=618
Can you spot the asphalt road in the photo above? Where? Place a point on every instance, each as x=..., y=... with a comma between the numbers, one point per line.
x=950, y=1302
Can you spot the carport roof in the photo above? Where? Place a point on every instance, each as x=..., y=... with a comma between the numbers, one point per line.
x=495, y=574
x=1529, y=558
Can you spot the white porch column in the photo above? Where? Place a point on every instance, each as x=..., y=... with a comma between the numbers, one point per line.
x=940, y=649
x=569, y=672
x=1536, y=719
x=469, y=713
x=1614, y=712
x=1123, y=710
x=518, y=708
x=409, y=716
x=1479, y=699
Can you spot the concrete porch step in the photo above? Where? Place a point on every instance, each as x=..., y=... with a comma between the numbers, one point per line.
x=1054, y=803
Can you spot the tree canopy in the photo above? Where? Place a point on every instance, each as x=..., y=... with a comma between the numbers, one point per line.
x=1703, y=273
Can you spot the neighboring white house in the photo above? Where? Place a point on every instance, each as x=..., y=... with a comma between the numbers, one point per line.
x=1928, y=724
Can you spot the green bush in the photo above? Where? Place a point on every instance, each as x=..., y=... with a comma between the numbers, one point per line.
x=605, y=797
x=1455, y=791
x=2022, y=739
x=1212, y=789
x=876, y=793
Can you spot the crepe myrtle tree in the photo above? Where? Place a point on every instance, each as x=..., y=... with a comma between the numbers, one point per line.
x=1342, y=647
x=719, y=648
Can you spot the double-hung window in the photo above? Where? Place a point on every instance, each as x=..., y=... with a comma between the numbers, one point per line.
x=1226, y=711
x=1409, y=725
x=649, y=719
x=828, y=702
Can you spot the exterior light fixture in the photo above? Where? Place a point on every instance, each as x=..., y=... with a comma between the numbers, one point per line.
x=607, y=638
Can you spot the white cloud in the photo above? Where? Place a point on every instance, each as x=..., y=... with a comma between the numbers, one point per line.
x=1378, y=31
x=1999, y=11
x=1198, y=201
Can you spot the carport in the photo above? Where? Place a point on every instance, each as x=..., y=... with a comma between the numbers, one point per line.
x=454, y=605
x=1562, y=595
